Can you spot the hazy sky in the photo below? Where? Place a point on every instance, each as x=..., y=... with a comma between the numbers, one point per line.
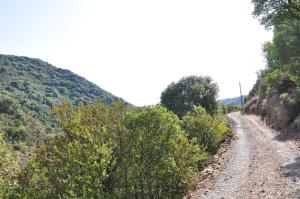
x=135, y=48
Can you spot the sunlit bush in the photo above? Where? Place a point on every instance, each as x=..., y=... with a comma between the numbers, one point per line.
x=209, y=131
x=108, y=152
x=9, y=169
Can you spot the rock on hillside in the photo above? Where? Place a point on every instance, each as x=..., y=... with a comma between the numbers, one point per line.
x=280, y=110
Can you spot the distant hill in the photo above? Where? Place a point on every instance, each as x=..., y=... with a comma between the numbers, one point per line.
x=235, y=100
x=30, y=87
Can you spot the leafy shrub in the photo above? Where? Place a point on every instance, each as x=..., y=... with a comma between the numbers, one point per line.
x=9, y=169
x=75, y=165
x=159, y=160
x=7, y=105
x=108, y=153
x=209, y=131
x=16, y=134
x=279, y=82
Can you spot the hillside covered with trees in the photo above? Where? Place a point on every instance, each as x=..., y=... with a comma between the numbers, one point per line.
x=29, y=90
x=37, y=85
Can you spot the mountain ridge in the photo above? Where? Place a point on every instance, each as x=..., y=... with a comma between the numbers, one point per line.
x=30, y=87
x=233, y=100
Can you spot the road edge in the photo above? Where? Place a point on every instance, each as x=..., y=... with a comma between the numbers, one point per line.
x=213, y=164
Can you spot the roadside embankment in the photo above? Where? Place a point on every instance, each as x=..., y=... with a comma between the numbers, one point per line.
x=281, y=111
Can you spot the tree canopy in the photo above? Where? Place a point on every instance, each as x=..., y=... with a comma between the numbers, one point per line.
x=282, y=54
x=180, y=97
x=270, y=12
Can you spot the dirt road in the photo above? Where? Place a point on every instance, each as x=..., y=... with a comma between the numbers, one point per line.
x=258, y=165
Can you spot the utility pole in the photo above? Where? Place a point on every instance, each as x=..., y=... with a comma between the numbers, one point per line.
x=242, y=103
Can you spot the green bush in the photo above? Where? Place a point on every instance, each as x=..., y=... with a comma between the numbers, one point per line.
x=106, y=152
x=279, y=81
x=209, y=131
x=16, y=134
x=76, y=164
x=9, y=169
x=159, y=162
x=7, y=105
x=282, y=54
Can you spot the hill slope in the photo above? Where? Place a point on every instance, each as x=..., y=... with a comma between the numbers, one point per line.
x=30, y=87
x=235, y=100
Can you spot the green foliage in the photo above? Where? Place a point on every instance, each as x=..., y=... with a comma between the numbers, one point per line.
x=106, y=152
x=29, y=88
x=283, y=57
x=282, y=54
x=209, y=131
x=18, y=127
x=37, y=86
x=159, y=160
x=9, y=169
x=16, y=134
x=255, y=89
x=222, y=110
x=99, y=150
x=180, y=97
x=7, y=106
x=76, y=164
x=270, y=12
x=275, y=81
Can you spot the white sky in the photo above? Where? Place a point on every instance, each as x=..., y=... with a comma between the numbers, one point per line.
x=135, y=48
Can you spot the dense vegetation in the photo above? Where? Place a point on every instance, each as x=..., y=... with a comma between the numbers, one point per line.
x=283, y=53
x=274, y=12
x=21, y=129
x=276, y=93
x=37, y=85
x=180, y=97
x=208, y=131
x=9, y=169
x=29, y=89
x=110, y=152
x=97, y=150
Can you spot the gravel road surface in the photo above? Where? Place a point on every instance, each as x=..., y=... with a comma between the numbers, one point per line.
x=258, y=165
